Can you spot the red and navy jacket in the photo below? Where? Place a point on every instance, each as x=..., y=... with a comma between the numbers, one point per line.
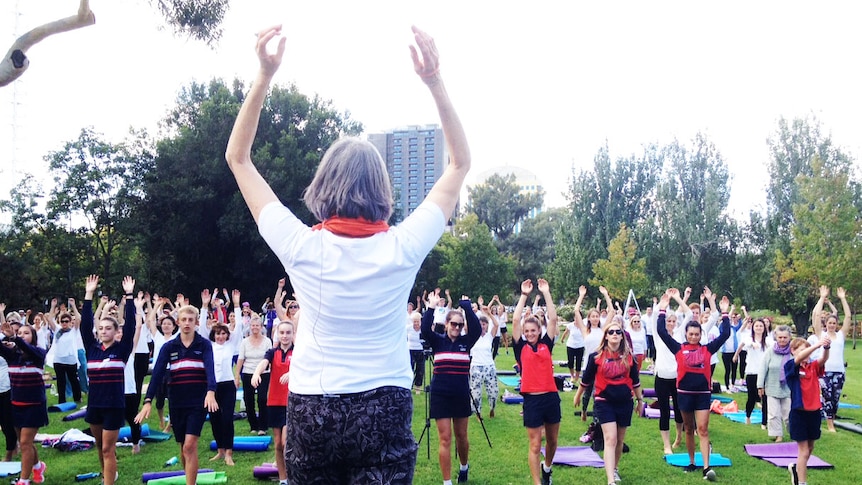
x=614, y=379
x=451, y=359
x=804, y=383
x=191, y=369
x=694, y=373
x=26, y=366
x=537, y=368
x=279, y=364
x=106, y=365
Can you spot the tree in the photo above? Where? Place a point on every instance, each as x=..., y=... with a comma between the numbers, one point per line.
x=825, y=238
x=533, y=246
x=196, y=229
x=501, y=205
x=15, y=63
x=199, y=19
x=100, y=184
x=471, y=263
x=622, y=270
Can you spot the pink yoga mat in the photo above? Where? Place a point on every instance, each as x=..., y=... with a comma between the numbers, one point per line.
x=577, y=456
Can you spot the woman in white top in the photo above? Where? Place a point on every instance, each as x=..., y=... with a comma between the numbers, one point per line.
x=498, y=313
x=755, y=346
x=483, y=372
x=639, y=341
x=832, y=384
x=251, y=352
x=414, y=345
x=349, y=362
x=574, y=350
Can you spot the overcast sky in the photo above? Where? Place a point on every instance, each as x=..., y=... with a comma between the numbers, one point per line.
x=537, y=84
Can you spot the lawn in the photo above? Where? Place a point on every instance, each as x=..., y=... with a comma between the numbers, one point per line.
x=506, y=461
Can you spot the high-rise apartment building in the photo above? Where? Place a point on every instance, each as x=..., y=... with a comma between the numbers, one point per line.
x=415, y=158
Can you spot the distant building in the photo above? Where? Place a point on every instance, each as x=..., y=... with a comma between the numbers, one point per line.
x=415, y=158
x=527, y=182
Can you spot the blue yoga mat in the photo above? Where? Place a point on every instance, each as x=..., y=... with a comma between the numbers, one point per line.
x=247, y=443
x=721, y=399
x=62, y=407
x=126, y=432
x=847, y=405
x=9, y=468
x=76, y=415
x=681, y=459
x=739, y=417
x=511, y=381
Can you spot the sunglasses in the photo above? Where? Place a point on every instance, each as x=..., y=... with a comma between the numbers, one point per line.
x=65, y=321
x=293, y=307
x=615, y=332
x=457, y=324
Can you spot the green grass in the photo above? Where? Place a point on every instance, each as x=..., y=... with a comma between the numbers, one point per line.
x=506, y=462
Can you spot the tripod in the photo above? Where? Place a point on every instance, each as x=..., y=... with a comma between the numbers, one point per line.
x=481, y=420
x=426, y=363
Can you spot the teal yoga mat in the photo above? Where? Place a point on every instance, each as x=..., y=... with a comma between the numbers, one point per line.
x=739, y=417
x=511, y=381
x=681, y=459
x=9, y=468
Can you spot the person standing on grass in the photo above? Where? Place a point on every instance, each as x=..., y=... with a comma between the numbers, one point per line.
x=832, y=383
x=26, y=361
x=694, y=376
x=772, y=383
x=483, y=372
x=188, y=359
x=277, y=359
x=541, y=399
x=803, y=379
x=106, y=362
x=449, y=401
x=613, y=371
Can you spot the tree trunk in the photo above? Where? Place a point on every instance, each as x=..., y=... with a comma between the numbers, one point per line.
x=801, y=322
x=13, y=65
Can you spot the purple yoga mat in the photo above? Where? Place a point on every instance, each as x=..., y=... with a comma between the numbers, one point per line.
x=783, y=461
x=649, y=392
x=785, y=450
x=266, y=471
x=146, y=477
x=577, y=456
x=651, y=413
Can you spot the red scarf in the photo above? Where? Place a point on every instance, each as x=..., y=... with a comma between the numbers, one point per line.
x=351, y=227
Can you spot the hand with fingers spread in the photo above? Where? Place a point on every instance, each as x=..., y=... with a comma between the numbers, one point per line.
x=269, y=63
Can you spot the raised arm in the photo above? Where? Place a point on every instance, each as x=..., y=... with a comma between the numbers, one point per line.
x=579, y=320
x=551, y=310
x=255, y=190
x=426, y=62
x=818, y=309
x=842, y=295
x=608, y=303
x=526, y=289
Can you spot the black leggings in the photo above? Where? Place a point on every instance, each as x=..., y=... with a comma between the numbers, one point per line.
x=665, y=389
x=742, y=356
x=67, y=373
x=132, y=402
x=6, y=420
x=729, y=368
x=257, y=421
x=142, y=366
x=222, y=420
x=575, y=358
x=754, y=398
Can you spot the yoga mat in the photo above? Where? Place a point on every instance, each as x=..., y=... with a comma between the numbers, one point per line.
x=506, y=373
x=147, y=476
x=156, y=436
x=62, y=407
x=242, y=443
x=681, y=459
x=10, y=468
x=721, y=399
x=511, y=381
x=514, y=399
x=847, y=405
x=265, y=472
x=76, y=415
x=739, y=417
x=846, y=425
x=649, y=392
x=208, y=478
x=783, y=461
x=654, y=413
x=577, y=456
x=126, y=432
x=785, y=449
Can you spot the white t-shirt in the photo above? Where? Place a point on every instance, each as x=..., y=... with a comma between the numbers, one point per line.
x=592, y=340
x=576, y=338
x=481, y=352
x=337, y=355
x=835, y=362
x=414, y=340
x=754, y=354
x=638, y=340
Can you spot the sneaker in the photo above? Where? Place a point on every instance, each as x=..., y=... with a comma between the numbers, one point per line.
x=261, y=433
x=617, y=478
x=39, y=475
x=709, y=474
x=546, y=475
x=690, y=468
x=794, y=478
x=462, y=476
x=491, y=414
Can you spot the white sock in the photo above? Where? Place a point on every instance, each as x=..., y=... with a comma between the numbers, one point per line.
x=546, y=467
x=447, y=482
x=464, y=467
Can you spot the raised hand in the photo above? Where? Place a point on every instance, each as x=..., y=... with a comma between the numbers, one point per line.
x=526, y=287
x=269, y=63
x=824, y=291
x=235, y=297
x=128, y=284
x=582, y=291
x=282, y=282
x=91, y=283
x=543, y=286
x=724, y=304
x=841, y=293
x=205, y=297
x=428, y=66
x=664, y=301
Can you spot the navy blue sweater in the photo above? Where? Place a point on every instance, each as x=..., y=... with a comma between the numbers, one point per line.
x=451, y=359
x=191, y=370
x=106, y=365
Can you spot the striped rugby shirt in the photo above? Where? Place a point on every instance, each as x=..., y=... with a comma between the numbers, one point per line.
x=451, y=359
x=191, y=372
x=106, y=365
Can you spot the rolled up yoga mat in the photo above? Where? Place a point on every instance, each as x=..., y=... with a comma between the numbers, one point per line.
x=265, y=471
x=147, y=476
x=62, y=407
x=247, y=443
x=76, y=415
x=208, y=478
x=126, y=432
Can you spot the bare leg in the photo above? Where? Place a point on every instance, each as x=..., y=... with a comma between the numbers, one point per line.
x=190, y=458
x=702, y=417
x=29, y=455
x=461, y=442
x=444, y=453
x=278, y=435
x=689, y=424
x=805, y=450
x=535, y=435
x=108, y=456
x=611, y=437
